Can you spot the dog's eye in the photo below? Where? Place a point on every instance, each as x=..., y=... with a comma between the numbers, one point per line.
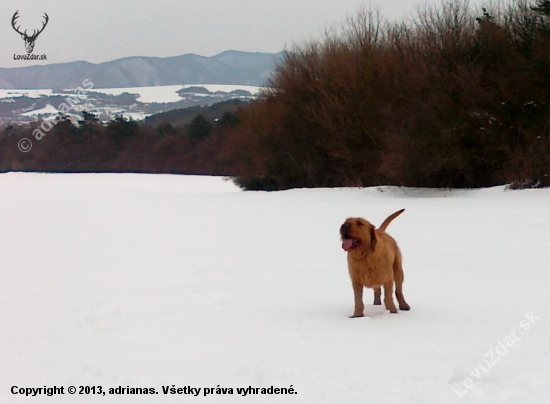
x=359, y=223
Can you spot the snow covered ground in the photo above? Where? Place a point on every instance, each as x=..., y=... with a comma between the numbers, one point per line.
x=169, y=93
x=48, y=109
x=145, y=281
x=27, y=93
x=147, y=94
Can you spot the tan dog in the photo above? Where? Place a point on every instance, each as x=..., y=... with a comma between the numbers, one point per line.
x=374, y=260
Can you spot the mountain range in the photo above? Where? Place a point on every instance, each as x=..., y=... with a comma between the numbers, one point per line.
x=229, y=67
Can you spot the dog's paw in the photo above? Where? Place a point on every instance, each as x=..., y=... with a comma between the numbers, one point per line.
x=357, y=315
x=391, y=308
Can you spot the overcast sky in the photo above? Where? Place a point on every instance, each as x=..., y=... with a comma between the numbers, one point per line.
x=103, y=30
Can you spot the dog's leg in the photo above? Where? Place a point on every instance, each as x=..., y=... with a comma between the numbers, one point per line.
x=399, y=278
x=377, y=296
x=358, y=294
x=388, y=297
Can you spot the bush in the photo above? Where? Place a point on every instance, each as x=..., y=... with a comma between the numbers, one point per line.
x=452, y=99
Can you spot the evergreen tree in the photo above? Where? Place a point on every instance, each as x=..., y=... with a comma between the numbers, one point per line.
x=199, y=128
x=121, y=128
x=88, y=119
x=228, y=118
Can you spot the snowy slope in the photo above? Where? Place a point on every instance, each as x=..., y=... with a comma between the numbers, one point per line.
x=48, y=109
x=150, y=281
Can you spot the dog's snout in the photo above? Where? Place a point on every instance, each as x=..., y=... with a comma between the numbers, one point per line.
x=344, y=228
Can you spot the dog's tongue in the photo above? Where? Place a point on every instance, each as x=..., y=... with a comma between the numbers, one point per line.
x=346, y=245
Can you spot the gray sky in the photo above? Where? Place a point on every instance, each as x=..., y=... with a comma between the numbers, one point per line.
x=103, y=30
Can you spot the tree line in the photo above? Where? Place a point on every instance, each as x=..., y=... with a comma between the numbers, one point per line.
x=121, y=145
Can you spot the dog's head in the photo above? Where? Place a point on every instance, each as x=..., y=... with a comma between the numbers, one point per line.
x=358, y=236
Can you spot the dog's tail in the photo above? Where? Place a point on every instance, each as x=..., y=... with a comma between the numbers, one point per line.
x=390, y=218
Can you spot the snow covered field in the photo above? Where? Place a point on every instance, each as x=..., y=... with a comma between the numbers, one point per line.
x=147, y=94
x=27, y=93
x=145, y=281
x=169, y=93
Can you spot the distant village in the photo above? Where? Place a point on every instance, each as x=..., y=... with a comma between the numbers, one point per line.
x=26, y=106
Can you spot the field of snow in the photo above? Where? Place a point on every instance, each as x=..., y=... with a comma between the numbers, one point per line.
x=169, y=93
x=147, y=94
x=152, y=281
x=48, y=109
x=28, y=93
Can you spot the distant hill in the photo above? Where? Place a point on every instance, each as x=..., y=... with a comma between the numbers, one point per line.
x=230, y=67
x=181, y=117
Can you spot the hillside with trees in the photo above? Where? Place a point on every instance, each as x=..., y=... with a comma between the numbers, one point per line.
x=456, y=97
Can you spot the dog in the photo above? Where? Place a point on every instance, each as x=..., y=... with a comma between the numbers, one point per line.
x=374, y=261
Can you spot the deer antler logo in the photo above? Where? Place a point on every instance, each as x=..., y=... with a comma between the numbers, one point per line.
x=29, y=39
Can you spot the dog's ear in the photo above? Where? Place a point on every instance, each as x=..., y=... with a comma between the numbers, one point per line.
x=372, y=238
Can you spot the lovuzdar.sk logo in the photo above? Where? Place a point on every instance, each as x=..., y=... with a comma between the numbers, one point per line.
x=29, y=39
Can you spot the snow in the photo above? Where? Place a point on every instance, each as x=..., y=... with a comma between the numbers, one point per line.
x=28, y=93
x=48, y=109
x=160, y=94
x=167, y=94
x=147, y=94
x=126, y=280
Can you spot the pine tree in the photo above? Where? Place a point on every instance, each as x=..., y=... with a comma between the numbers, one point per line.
x=199, y=128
